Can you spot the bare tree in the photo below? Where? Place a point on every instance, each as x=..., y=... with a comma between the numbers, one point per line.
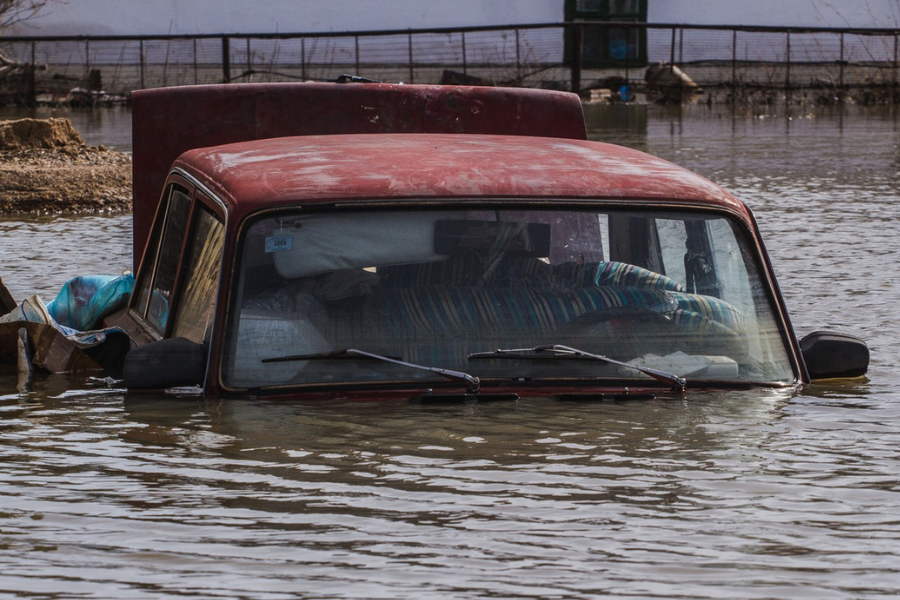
x=17, y=11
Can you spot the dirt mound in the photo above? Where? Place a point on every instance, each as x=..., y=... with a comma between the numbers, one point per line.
x=45, y=167
x=26, y=134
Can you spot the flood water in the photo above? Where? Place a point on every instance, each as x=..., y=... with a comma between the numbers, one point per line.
x=731, y=495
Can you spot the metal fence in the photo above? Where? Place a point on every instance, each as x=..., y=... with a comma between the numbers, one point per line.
x=729, y=61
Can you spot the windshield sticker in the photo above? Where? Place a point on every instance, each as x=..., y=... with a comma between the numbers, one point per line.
x=279, y=243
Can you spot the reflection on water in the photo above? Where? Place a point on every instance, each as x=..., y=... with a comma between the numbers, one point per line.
x=743, y=494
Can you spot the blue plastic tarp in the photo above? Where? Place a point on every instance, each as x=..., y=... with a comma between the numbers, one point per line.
x=83, y=302
x=61, y=332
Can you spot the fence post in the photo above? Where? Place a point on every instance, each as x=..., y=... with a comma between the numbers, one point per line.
x=409, y=44
x=733, y=66
x=30, y=80
x=672, y=62
x=196, y=81
x=165, y=72
x=303, y=59
x=841, y=71
x=465, y=63
x=356, y=51
x=249, y=62
x=894, y=70
x=787, y=77
x=141, y=52
x=577, y=42
x=226, y=60
x=672, y=50
x=518, y=61
x=627, y=55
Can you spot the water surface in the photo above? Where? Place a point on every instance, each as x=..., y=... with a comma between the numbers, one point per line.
x=731, y=495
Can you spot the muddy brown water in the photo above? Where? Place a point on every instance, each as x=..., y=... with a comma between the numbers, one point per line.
x=729, y=495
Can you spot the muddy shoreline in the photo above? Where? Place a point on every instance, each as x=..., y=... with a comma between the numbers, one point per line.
x=46, y=168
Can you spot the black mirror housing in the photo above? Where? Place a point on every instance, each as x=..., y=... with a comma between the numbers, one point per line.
x=172, y=362
x=830, y=355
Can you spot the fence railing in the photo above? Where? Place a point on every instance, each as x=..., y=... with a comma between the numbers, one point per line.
x=730, y=61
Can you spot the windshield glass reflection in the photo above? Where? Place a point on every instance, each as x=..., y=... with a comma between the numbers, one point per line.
x=678, y=292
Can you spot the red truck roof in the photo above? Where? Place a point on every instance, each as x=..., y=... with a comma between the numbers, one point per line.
x=311, y=169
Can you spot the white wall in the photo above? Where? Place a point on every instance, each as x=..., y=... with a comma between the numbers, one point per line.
x=698, y=45
x=154, y=17
x=784, y=13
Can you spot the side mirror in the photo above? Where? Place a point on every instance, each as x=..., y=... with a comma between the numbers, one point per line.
x=834, y=355
x=172, y=362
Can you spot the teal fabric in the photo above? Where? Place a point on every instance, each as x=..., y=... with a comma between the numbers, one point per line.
x=83, y=302
x=618, y=273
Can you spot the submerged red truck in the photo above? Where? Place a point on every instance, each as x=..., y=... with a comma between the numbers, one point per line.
x=438, y=243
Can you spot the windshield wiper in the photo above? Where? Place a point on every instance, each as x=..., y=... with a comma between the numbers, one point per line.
x=558, y=350
x=473, y=384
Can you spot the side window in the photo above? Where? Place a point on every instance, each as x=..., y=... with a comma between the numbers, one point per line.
x=155, y=288
x=196, y=304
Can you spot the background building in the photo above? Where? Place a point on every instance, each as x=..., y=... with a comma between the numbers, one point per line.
x=158, y=17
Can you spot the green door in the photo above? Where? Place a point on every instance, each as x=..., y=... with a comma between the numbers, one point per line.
x=608, y=45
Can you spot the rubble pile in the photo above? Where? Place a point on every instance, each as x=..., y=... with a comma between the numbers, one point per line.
x=46, y=168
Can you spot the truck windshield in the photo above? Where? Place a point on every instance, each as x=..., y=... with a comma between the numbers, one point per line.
x=677, y=291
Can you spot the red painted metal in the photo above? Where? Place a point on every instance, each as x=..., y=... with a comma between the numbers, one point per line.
x=312, y=169
x=169, y=121
x=291, y=171
x=270, y=145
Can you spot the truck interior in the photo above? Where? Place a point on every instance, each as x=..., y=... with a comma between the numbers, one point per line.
x=436, y=287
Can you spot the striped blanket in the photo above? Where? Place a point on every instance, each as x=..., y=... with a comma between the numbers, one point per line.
x=449, y=303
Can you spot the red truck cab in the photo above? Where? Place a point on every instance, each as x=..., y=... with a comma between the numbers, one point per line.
x=371, y=240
